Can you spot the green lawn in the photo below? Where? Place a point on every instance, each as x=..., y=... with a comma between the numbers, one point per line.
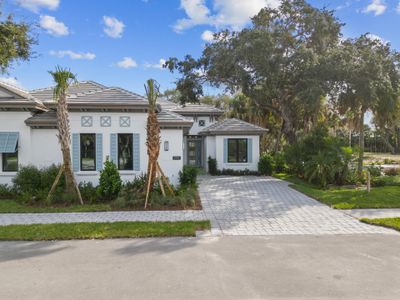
x=341, y=198
x=42, y=232
x=11, y=206
x=385, y=222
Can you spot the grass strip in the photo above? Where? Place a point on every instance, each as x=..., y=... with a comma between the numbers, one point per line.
x=393, y=223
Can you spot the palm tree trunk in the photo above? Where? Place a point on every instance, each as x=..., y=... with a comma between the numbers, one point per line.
x=64, y=137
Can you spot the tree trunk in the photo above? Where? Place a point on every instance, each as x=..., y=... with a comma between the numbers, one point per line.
x=287, y=126
x=278, y=139
x=350, y=137
x=361, y=143
x=64, y=137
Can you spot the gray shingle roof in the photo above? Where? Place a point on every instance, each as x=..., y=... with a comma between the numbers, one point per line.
x=13, y=96
x=46, y=94
x=232, y=127
x=170, y=118
x=197, y=109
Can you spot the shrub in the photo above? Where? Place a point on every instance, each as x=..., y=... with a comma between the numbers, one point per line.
x=212, y=166
x=132, y=193
x=320, y=158
x=280, y=162
x=6, y=192
x=266, y=164
x=27, y=180
x=89, y=193
x=232, y=172
x=188, y=175
x=374, y=171
x=110, y=181
x=392, y=171
x=378, y=181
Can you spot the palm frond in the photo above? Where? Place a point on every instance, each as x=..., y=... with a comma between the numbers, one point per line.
x=63, y=77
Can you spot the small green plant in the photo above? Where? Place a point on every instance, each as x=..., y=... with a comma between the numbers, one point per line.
x=188, y=175
x=266, y=164
x=89, y=193
x=110, y=182
x=378, y=181
x=212, y=166
x=6, y=192
x=280, y=162
x=392, y=172
x=374, y=171
x=27, y=180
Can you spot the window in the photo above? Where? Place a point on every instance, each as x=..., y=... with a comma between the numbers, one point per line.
x=125, y=151
x=166, y=146
x=10, y=162
x=237, y=150
x=88, y=152
x=202, y=123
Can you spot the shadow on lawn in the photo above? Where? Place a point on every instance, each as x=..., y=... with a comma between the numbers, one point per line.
x=15, y=250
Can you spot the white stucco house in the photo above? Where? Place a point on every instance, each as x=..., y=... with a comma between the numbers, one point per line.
x=110, y=122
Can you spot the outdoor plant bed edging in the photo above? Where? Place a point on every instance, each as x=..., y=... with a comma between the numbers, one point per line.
x=71, y=231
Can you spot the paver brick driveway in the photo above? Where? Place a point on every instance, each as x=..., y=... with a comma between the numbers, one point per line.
x=248, y=205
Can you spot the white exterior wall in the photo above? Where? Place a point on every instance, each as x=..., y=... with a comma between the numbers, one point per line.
x=14, y=122
x=210, y=149
x=219, y=150
x=40, y=146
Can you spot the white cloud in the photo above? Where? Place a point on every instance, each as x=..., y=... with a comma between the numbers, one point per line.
x=36, y=5
x=11, y=81
x=225, y=13
x=127, y=63
x=52, y=26
x=73, y=55
x=159, y=65
x=398, y=8
x=377, y=7
x=113, y=27
x=207, y=36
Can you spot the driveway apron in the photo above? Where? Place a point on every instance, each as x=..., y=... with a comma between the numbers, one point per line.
x=250, y=205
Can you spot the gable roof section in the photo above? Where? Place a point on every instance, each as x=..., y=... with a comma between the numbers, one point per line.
x=12, y=97
x=46, y=94
x=233, y=127
x=94, y=96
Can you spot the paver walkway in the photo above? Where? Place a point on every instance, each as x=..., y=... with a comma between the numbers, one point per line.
x=267, y=206
x=112, y=216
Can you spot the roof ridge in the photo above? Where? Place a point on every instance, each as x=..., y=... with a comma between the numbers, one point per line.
x=82, y=81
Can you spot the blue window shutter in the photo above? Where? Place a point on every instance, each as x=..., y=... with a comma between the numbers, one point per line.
x=136, y=152
x=250, y=150
x=76, y=152
x=113, y=148
x=225, y=150
x=99, y=151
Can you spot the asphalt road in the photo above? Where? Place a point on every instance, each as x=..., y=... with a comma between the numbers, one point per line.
x=295, y=267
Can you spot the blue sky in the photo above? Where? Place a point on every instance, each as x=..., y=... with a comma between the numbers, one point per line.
x=121, y=43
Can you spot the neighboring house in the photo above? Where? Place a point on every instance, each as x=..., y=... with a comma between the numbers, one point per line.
x=110, y=122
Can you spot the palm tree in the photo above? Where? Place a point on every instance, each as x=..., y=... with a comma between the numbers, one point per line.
x=153, y=141
x=63, y=79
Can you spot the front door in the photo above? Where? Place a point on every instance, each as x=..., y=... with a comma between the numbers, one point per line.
x=195, y=152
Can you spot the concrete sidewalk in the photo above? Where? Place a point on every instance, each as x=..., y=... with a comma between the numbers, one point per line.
x=108, y=216
x=374, y=213
x=279, y=267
